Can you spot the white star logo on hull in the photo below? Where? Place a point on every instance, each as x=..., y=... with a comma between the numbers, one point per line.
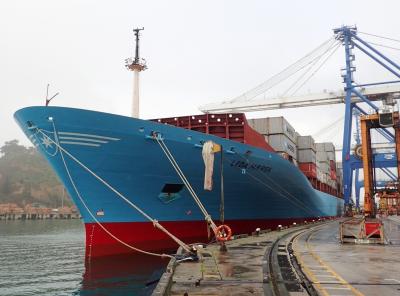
x=46, y=142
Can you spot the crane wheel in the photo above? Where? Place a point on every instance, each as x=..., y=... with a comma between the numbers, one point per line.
x=358, y=151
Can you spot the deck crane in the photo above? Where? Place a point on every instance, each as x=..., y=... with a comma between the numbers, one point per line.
x=354, y=96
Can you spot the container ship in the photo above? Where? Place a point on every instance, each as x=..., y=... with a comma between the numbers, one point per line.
x=271, y=175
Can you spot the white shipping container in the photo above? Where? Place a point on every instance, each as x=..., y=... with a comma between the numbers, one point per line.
x=320, y=147
x=329, y=146
x=279, y=125
x=331, y=155
x=320, y=175
x=324, y=178
x=306, y=142
x=324, y=167
x=328, y=178
x=322, y=156
x=260, y=125
x=339, y=173
x=306, y=155
x=281, y=143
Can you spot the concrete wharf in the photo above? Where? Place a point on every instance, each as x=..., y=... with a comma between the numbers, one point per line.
x=301, y=260
x=12, y=211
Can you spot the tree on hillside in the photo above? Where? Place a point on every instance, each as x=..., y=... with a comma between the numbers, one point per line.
x=12, y=149
x=27, y=177
x=6, y=187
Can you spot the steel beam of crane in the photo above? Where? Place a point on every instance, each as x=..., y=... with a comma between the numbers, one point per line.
x=326, y=98
x=375, y=146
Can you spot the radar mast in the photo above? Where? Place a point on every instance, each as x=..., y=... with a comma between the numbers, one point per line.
x=136, y=65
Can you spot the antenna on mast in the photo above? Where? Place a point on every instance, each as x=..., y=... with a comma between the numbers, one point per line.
x=136, y=65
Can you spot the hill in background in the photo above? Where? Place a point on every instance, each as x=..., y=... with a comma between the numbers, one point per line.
x=26, y=178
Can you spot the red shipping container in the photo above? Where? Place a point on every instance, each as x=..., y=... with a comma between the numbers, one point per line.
x=231, y=126
x=309, y=169
x=333, y=170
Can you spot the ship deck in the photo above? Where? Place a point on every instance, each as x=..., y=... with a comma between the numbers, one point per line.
x=302, y=260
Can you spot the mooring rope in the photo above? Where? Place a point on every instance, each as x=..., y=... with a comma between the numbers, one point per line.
x=154, y=221
x=175, y=165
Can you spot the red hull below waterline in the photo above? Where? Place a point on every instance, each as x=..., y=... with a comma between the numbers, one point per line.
x=143, y=235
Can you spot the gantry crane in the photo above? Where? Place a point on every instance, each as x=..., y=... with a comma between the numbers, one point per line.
x=350, y=40
x=355, y=96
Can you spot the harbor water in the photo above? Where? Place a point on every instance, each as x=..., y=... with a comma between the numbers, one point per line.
x=46, y=257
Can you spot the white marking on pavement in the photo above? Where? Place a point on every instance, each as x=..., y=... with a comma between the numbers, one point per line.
x=397, y=281
x=330, y=282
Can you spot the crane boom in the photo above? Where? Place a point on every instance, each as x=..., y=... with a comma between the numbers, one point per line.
x=318, y=99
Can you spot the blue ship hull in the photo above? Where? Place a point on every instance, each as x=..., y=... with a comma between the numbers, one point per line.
x=261, y=188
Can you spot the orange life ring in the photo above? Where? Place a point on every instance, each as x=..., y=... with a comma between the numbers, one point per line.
x=223, y=233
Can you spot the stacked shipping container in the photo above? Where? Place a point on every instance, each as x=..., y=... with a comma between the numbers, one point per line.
x=316, y=160
x=307, y=156
x=339, y=176
x=278, y=133
x=326, y=162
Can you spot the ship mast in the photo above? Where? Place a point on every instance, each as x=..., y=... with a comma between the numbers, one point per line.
x=136, y=65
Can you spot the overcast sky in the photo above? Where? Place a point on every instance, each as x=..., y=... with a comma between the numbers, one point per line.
x=197, y=52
